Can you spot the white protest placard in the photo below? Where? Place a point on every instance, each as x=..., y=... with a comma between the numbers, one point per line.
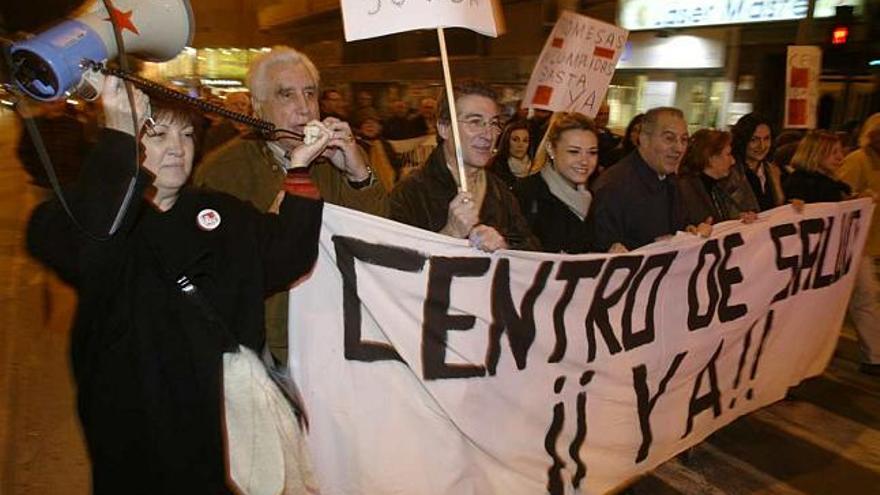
x=431, y=368
x=371, y=18
x=803, y=67
x=576, y=65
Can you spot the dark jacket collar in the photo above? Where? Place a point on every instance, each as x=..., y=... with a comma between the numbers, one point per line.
x=438, y=172
x=647, y=174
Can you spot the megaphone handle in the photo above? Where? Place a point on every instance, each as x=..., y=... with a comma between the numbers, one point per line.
x=90, y=86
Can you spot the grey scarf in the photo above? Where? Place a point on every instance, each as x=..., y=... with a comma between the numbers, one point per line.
x=577, y=199
x=519, y=167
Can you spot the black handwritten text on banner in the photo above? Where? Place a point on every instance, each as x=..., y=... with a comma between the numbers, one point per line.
x=437, y=369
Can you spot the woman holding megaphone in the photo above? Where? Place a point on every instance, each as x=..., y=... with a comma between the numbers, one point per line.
x=170, y=314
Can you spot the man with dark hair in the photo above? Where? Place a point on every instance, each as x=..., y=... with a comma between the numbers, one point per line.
x=431, y=198
x=637, y=201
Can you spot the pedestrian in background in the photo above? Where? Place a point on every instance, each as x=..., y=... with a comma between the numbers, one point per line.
x=861, y=170
x=512, y=160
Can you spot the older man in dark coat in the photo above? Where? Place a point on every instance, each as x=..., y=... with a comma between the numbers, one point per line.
x=637, y=200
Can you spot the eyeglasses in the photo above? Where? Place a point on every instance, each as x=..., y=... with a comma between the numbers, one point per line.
x=477, y=124
x=671, y=139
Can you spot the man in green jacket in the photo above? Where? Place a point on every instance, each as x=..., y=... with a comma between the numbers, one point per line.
x=284, y=91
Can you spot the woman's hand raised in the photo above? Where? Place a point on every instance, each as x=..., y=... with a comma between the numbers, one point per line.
x=117, y=108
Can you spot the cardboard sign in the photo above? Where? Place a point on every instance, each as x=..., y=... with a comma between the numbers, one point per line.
x=430, y=368
x=576, y=65
x=371, y=18
x=802, y=86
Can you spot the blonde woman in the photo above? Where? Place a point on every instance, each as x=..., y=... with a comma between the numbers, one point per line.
x=816, y=163
x=555, y=201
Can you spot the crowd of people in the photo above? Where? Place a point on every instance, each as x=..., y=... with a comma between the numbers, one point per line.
x=562, y=183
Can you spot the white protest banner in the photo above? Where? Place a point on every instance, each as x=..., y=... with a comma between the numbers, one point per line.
x=371, y=18
x=428, y=367
x=802, y=86
x=576, y=65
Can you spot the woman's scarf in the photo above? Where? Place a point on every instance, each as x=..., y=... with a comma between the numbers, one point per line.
x=519, y=167
x=576, y=199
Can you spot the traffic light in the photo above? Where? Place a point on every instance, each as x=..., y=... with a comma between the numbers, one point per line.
x=843, y=19
x=841, y=43
x=839, y=35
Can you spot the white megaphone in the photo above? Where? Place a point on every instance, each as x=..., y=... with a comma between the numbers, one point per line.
x=53, y=63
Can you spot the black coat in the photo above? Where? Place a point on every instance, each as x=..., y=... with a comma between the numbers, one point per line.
x=147, y=361
x=501, y=169
x=422, y=200
x=632, y=206
x=815, y=187
x=555, y=225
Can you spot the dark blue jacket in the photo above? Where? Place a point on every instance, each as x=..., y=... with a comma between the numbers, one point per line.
x=633, y=206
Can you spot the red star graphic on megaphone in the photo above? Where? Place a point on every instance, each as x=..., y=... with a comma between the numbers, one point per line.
x=122, y=19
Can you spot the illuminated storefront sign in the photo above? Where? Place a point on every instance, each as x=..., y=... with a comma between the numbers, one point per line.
x=647, y=51
x=654, y=14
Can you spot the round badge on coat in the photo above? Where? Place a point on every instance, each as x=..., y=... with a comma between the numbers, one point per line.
x=208, y=219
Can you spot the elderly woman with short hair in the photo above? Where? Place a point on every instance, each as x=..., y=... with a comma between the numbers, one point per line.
x=708, y=161
x=147, y=356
